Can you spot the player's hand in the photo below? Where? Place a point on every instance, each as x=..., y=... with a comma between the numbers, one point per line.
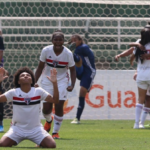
x=134, y=76
x=70, y=88
x=117, y=57
x=145, y=56
x=53, y=75
x=36, y=85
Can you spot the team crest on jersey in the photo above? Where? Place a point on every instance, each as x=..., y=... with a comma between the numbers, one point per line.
x=55, y=63
x=27, y=100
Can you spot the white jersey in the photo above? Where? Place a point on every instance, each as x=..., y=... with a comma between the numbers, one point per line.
x=143, y=69
x=26, y=106
x=60, y=62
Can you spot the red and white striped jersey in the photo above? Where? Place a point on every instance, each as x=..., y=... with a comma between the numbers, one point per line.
x=26, y=106
x=61, y=62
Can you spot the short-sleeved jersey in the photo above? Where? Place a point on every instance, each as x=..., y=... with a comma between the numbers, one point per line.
x=1, y=44
x=143, y=69
x=61, y=62
x=26, y=107
x=87, y=58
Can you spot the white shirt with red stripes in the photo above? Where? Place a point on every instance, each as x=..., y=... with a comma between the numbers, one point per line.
x=61, y=62
x=26, y=107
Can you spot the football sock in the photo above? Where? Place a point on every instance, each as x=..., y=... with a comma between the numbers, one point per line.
x=47, y=117
x=57, y=123
x=80, y=107
x=138, y=110
x=76, y=57
x=1, y=123
x=144, y=114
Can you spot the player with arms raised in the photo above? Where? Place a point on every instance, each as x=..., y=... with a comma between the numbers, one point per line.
x=26, y=109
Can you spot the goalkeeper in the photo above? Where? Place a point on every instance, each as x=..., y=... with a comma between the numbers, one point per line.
x=85, y=70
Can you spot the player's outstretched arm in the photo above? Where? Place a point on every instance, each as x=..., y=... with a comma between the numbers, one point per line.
x=124, y=53
x=53, y=79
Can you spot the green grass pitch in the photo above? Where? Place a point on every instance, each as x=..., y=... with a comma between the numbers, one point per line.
x=95, y=135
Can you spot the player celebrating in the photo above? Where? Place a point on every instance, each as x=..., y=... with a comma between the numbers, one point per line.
x=143, y=78
x=59, y=57
x=26, y=109
x=85, y=69
x=146, y=108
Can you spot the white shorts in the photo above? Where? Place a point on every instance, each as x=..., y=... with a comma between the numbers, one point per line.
x=143, y=84
x=62, y=88
x=36, y=135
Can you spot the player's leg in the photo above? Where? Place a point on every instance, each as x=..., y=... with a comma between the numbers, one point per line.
x=142, y=89
x=7, y=142
x=41, y=137
x=47, y=110
x=145, y=112
x=13, y=137
x=1, y=111
x=48, y=142
x=85, y=85
x=58, y=117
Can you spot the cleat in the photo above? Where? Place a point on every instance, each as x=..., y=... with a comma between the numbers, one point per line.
x=136, y=126
x=75, y=121
x=141, y=126
x=47, y=125
x=1, y=129
x=55, y=136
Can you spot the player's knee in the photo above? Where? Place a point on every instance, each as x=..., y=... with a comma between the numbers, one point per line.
x=3, y=144
x=51, y=145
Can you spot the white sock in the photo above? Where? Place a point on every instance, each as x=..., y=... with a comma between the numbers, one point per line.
x=144, y=114
x=57, y=123
x=47, y=117
x=138, y=110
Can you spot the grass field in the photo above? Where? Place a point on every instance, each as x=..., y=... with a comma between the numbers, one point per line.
x=95, y=135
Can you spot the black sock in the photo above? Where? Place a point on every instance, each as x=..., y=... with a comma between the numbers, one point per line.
x=80, y=107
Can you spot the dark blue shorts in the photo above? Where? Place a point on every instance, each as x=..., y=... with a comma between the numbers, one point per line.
x=86, y=77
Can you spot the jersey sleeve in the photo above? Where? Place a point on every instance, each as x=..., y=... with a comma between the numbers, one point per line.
x=43, y=94
x=1, y=44
x=43, y=55
x=9, y=95
x=71, y=61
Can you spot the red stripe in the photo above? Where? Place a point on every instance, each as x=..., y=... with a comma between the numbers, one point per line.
x=22, y=99
x=59, y=62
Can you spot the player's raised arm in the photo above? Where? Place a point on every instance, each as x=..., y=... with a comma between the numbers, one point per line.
x=124, y=53
x=53, y=79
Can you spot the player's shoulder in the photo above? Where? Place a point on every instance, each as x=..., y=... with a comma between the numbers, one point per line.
x=48, y=48
x=67, y=51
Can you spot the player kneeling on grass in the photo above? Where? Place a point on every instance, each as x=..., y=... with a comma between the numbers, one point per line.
x=26, y=109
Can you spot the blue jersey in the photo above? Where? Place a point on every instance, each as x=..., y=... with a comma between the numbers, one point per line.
x=87, y=57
